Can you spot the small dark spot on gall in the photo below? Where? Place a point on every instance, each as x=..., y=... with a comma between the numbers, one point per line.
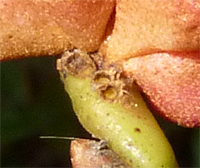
x=137, y=130
x=130, y=161
x=10, y=36
x=107, y=114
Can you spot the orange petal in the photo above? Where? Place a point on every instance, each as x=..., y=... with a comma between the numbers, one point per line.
x=172, y=83
x=48, y=27
x=145, y=27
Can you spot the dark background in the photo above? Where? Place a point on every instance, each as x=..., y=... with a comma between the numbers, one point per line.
x=34, y=103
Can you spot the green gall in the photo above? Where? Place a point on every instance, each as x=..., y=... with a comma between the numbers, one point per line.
x=111, y=108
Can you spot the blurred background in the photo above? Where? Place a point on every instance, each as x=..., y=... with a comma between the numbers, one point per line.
x=34, y=104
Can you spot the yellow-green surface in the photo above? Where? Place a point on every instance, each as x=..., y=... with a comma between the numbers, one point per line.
x=132, y=133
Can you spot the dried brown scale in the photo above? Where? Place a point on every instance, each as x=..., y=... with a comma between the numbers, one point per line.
x=108, y=80
x=105, y=80
x=97, y=59
x=113, y=87
x=77, y=63
x=110, y=115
